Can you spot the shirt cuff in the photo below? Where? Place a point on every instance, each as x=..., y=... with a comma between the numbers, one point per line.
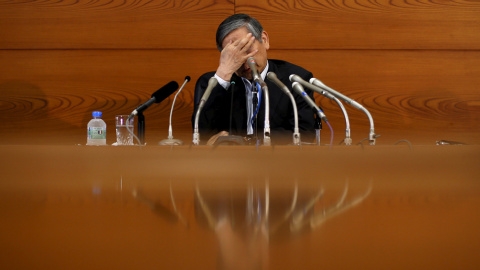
x=222, y=82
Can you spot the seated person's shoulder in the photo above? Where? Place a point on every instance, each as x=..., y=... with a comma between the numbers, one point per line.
x=290, y=68
x=205, y=77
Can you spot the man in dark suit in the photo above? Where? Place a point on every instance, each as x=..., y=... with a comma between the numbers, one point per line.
x=230, y=108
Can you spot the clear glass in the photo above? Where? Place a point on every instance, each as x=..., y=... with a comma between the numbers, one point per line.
x=124, y=137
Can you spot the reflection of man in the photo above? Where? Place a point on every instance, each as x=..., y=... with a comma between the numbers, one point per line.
x=238, y=38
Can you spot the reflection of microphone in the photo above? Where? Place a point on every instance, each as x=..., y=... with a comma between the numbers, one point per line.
x=296, y=134
x=171, y=140
x=296, y=78
x=158, y=96
x=371, y=136
x=211, y=84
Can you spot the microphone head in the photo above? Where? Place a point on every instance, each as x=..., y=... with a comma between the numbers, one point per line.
x=271, y=76
x=295, y=78
x=317, y=82
x=252, y=64
x=212, y=82
x=165, y=91
x=187, y=78
x=297, y=85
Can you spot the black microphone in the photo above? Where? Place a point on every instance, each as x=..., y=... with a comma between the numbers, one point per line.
x=157, y=97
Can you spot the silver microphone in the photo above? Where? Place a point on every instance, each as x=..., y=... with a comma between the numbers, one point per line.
x=296, y=78
x=371, y=135
x=296, y=133
x=170, y=140
x=258, y=79
x=212, y=82
x=297, y=87
x=253, y=66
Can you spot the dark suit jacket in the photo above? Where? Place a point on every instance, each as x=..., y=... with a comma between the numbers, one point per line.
x=215, y=115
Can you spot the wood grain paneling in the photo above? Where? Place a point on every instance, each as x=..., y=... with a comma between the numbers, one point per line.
x=416, y=95
x=293, y=24
x=368, y=24
x=413, y=63
x=47, y=24
x=65, y=86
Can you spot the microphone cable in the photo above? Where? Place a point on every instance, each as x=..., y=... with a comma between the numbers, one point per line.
x=331, y=133
x=331, y=129
x=131, y=131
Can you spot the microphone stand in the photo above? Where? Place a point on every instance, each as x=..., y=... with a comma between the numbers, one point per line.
x=141, y=127
x=296, y=133
x=348, y=138
x=255, y=105
x=266, y=130
x=318, y=128
x=170, y=140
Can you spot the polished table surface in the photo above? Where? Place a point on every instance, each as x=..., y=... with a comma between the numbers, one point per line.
x=240, y=207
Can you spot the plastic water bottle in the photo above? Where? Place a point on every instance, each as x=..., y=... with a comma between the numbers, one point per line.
x=97, y=130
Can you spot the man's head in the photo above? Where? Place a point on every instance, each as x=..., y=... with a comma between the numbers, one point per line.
x=238, y=21
x=237, y=27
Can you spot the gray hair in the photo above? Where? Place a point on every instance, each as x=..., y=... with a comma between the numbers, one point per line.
x=238, y=21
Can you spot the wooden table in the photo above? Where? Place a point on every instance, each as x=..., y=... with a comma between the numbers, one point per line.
x=240, y=207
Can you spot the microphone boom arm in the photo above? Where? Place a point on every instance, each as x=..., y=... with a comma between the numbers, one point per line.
x=266, y=129
x=371, y=135
x=296, y=132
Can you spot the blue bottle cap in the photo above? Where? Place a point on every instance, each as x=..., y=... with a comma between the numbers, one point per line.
x=97, y=114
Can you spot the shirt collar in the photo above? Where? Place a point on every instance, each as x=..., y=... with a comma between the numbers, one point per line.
x=264, y=72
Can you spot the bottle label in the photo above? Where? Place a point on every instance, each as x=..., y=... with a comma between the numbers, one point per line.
x=97, y=133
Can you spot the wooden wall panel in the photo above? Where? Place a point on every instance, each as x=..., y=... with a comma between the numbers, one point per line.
x=47, y=24
x=416, y=95
x=419, y=95
x=293, y=24
x=413, y=63
x=368, y=24
x=58, y=89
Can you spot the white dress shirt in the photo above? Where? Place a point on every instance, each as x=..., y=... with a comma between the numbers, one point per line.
x=249, y=95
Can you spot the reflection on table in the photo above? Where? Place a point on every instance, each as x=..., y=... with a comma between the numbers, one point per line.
x=235, y=207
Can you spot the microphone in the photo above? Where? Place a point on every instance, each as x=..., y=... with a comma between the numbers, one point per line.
x=297, y=87
x=157, y=97
x=253, y=66
x=212, y=82
x=171, y=140
x=296, y=78
x=256, y=78
x=371, y=135
x=296, y=134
